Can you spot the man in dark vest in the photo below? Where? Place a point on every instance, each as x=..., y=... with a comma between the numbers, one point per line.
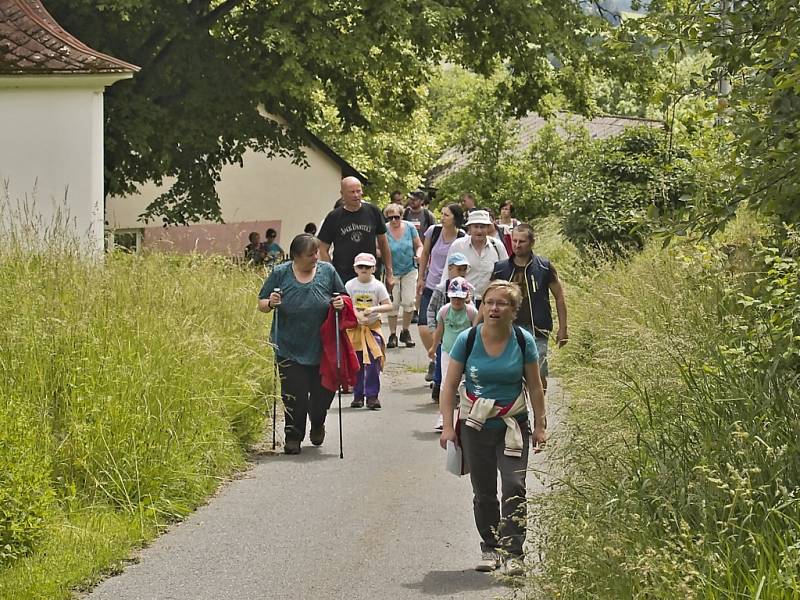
x=537, y=278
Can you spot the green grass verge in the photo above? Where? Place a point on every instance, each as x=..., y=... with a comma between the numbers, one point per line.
x=129, y=391
x=681, y=455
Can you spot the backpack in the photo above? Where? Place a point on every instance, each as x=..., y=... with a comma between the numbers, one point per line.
x=473, y=331
x=437, y=231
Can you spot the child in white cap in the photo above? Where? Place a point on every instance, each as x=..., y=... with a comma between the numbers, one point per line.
x=453, y=318
x=370, y=298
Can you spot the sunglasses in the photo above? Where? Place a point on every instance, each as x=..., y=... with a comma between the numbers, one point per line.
x=364, y=266
x=393, y=217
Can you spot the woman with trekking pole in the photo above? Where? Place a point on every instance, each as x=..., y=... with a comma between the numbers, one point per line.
x=494, y=428
x=307, y=288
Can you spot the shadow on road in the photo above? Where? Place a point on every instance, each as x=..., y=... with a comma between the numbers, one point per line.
x=447, y=583
x=307, y=455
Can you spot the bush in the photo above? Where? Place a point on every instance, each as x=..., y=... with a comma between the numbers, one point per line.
x=26, y=496
x=624, y=183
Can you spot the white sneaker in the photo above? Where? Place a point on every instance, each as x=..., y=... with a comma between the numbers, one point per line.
x=439, y=422
x=490, y=561
x=514, y=567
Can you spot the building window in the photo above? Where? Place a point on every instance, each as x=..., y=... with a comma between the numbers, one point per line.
x=127, y=240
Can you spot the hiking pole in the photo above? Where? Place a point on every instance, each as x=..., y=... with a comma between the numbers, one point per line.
x=338, y=372
x=277, y=377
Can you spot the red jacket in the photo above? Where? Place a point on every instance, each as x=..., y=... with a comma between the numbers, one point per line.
x=348, y=369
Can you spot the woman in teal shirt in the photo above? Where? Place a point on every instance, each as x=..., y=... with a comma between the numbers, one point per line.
x=493, y=421
x=405, y=247
x=306, y=287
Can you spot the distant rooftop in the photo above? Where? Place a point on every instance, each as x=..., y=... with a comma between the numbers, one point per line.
x=453, y=159
x=31, y=42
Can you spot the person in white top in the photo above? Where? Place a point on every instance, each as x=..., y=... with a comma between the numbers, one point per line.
x=481, y=251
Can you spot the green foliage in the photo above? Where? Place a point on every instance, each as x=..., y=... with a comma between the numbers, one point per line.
x=681, y=471
x=207, y=67
x=753, y=49
x=624, y=184
x=26, y=494
x=393, y=151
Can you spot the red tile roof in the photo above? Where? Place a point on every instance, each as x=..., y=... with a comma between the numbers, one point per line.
x=31, y=42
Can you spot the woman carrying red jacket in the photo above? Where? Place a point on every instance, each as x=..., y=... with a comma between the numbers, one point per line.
x=307, y=288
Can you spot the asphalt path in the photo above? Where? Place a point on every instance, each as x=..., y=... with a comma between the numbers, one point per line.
x=387, y=521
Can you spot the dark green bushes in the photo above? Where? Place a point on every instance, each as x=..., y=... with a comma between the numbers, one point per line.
x=620, y=188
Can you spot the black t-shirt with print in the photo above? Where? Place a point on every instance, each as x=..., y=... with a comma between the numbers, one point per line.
x=351, y=233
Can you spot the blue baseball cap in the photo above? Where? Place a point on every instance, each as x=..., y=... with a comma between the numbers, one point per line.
x=458, y=259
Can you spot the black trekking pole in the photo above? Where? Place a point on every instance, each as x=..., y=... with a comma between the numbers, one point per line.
x=277, y=377
x=338, y=372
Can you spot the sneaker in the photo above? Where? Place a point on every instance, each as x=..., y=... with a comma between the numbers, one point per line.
x=317, y=435
x=439, y=423
x=514, y=567
x=392, y=343
x=435, y=392
x=405, y=337
x=490, y=561
x=292, y=447
x=431, y=371
x=415, y=317
x=373, y=404
x=357, y=403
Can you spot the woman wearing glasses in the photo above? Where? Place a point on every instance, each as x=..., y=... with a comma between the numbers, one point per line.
x=405, y=246
x=501, y=364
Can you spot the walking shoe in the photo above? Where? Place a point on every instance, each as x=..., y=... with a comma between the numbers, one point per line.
x=357, y=403
x=435, y=392
x=373, y=404
x=490, y=561
x=317, y=435
x=439, y=423
x=392, y=343
x=405, y=337
x=291, y=447
x=415, y=317
x=514, y=567
x=431, y=371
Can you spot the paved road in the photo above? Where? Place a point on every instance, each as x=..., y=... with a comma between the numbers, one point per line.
x=385, y=522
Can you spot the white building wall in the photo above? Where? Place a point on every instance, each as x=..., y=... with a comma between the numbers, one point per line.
x=51, y=158
x=271, y=191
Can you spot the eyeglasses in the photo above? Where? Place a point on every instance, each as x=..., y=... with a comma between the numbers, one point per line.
x=497, y=303
x=393, y=217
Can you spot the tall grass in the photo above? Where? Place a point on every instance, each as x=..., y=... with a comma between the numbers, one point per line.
x=682, y=457
x=127, y=392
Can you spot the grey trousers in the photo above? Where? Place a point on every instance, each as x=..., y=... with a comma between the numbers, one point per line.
x=483, y=452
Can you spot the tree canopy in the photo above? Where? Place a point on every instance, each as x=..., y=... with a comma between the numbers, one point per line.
x=208, y=65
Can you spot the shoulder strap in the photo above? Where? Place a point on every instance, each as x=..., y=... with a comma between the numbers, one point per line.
x=520, y=340
x=473, y=331
x=437, y=231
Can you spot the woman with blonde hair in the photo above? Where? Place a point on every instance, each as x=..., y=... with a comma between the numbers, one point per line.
x=501, y=364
